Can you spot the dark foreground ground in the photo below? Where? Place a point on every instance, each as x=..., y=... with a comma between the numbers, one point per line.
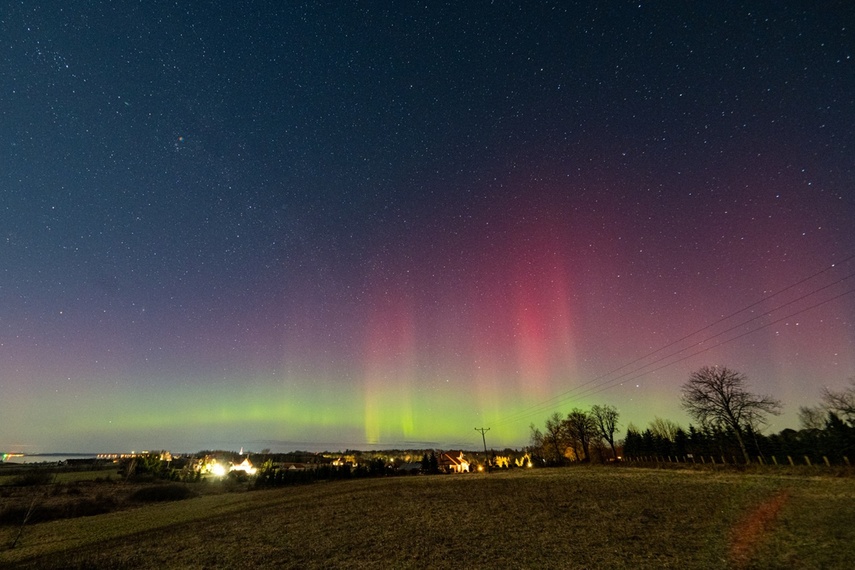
x=581, y=517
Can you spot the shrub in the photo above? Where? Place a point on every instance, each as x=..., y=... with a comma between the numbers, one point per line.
x=44, y=513
x=162, y=493
x=32, y=478
x=89, y=507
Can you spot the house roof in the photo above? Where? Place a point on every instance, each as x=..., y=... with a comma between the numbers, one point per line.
x=448, y=459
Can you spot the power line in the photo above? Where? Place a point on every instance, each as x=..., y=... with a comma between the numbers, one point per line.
x=737, y=326
x=604, y=384
x=564, y=395
x=784, y=318
x=608, y=384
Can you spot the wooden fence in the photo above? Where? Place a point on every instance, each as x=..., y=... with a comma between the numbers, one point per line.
x=735, y=460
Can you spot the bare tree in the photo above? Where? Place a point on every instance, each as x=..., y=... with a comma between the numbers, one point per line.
x=664, y=428
x=841, y=403
x=606, y=420
x=582, y=429
x=555, y=437
x=812, y=418
x=718, y=397
x=536, y=441
x=535, y=436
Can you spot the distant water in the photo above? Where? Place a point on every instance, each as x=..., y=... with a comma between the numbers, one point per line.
x=48, y=457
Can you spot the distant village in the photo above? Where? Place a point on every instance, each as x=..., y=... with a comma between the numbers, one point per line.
x=226, y=463
x=221, y=464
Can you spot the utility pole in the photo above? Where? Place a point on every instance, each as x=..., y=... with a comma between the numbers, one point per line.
x=484, y=439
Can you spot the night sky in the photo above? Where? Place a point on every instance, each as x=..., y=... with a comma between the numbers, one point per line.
x=320, y=225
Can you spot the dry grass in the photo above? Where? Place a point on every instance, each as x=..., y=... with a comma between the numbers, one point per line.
x=591, y=517
x=815, y=530
x=9, y=475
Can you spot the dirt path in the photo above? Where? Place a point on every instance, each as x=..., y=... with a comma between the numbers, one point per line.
x=750, y=530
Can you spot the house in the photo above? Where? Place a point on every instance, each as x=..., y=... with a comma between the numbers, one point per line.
x=451, y=464
x=410, y=468
x=245, y=466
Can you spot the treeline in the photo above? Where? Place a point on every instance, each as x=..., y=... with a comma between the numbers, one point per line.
x=730, y=417
x=583, y=435
x=152, y=466
x=835, y=442
x=271, y=475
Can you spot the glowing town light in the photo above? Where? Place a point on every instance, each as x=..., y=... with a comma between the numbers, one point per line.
x=456, y=464
x=218, y=470
x=245, y=466
x=524, y=460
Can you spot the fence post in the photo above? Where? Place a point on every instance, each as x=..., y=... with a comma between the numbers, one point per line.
x=846, y=460
x=791, y=460
x=774, y=460
x=827, y=464
x=807, y=461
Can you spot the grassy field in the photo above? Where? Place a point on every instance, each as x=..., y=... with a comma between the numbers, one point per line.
x=583, y=517
x=63, y=476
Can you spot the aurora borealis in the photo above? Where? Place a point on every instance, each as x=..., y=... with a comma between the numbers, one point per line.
x=324, y=225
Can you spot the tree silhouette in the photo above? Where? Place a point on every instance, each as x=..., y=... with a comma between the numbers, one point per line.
x=664, y=428
x=718, y=398
x=842, y=403
x=582, y=429
x=555, y=437
x=606, y=419
x=434, y=463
